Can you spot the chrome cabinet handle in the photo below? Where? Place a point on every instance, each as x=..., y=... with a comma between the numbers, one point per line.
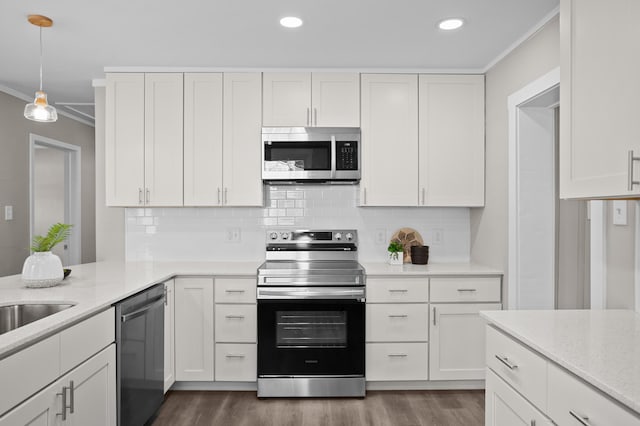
x=235, y=356
x=218, y=196
x=630, y=181
x=398, y=290
x=315, y=114
x=364, y=195
x=233, y=291
x=467, y=289
x=398, y=316
x=533, y=422
x=148, y=196
x=397, y=355
x=308, y=116
x=583, y=420
x=64, y=403
x=423, y=196
x=235, y=317
x=72, y=393
x=139, y=195
x=166, y=296
x=505, y=361
x=434, y=315
x=225, y=196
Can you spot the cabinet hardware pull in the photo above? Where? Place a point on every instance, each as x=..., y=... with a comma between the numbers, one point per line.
x=233, y=291
x=308, y=116
x=505, y=361
x=397, y=290
x=64, y=403
x=218, y=196
x=235, y=317
x=148, y=195
x=423, y=196
x=467, y=289
x=166, y=296
x=315, y=114
x=234, y=356
x=434, y=315
x=397, y=355
x=139, y=195
x=225, y=196
x=584, y=420
x=533, y=422
x=630, y=181
x=364, y=195
x=72, y=393
x=398, y=316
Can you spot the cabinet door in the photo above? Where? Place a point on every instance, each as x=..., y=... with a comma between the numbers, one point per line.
x=124, y=140
x=505, y=407
x=169, y=336
x=451, y=140
x=286, y=99
x=335, y=99
x=202, y=139
x=457, y=345
x=194, y=329
x=599, y=90
x=163, y=135
x=242, y=151
x=42, y=409
x=389, y=140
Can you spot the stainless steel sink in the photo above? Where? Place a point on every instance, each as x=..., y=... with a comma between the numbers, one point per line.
x=14, y=316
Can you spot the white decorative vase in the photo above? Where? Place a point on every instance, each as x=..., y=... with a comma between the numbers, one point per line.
x=396, y=258
x=42, y=269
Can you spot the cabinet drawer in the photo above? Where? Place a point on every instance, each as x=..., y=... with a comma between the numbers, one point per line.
x=519, y=366
x=396, y=361
x=85, y=339
x=569, y=397
x=29, y=370
x=235, y=290
x=397, y=322
x=397, y=290
x=476, y=289
x=235, y=323
x=236, y=362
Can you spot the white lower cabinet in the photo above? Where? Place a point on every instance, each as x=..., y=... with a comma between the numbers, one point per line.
x=194, y=342
x=84, y=396
x=457, y=341
x=506, y=407
x=169, y=336
x=396, y=361
x=236, y=362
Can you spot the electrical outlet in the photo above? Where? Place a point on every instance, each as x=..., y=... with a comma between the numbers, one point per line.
x=381, y=236
x=620, y=212
x=233, y=235
x=438, y=237
x=8, y=212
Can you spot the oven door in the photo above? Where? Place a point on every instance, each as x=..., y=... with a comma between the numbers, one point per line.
x=311, y=336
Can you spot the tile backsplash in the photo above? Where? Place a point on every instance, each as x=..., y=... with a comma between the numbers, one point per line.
x=238, y=233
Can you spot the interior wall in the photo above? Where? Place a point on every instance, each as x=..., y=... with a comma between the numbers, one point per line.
x=620, y=253
x=532, y=59
x=14, y=179
x=49, y=192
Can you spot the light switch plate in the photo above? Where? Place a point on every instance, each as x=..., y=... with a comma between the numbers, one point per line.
x=620, y=212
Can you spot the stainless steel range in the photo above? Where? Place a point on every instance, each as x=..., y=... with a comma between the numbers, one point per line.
x=311, y=315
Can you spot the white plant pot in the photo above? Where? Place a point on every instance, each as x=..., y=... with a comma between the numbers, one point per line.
x=396, y=258
x=42, y=269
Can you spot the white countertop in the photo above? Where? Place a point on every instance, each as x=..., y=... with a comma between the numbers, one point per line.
x=601, y=347
x=435, y=269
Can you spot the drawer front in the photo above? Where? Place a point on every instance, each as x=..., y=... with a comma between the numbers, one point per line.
x=235, y=290
x=397, y=290
x=396, y=361
x=476, y=289
x=235, y=323
x=397, y=322
x=236, y=362
x=519, y=366
x=86, y=338
x=26, y=372
x=569, y=398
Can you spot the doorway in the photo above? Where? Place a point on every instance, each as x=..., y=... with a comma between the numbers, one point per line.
x=54, y=192
x=548, y=237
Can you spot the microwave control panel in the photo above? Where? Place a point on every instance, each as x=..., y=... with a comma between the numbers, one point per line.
x=346, y=155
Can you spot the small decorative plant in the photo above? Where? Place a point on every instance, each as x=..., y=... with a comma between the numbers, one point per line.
x=56, y=234
x=395, y=248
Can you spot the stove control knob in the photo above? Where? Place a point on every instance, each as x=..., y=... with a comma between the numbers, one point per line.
x=284, y=235
x=273, y=236
x=349, y=236
x=338, y=236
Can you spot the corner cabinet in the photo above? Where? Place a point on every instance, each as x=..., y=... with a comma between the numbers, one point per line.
x=599, y=126
x=311, y=99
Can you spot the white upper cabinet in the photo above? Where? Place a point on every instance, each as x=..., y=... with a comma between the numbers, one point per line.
x=163, y=139
x=203, y=139
x=389, y=140
x=311, y=99
x=124, y=139
x=451, y=152
x=599, y=89
x=242, y=144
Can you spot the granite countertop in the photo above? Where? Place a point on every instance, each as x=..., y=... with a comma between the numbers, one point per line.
x=601, y=347
x=434, y=269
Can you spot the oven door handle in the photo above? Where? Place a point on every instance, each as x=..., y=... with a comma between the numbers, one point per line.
x=308, y=293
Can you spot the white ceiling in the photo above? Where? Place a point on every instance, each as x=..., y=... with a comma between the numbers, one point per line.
x=88, y=36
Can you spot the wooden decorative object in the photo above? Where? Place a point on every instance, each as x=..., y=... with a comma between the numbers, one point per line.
x=407, y=237
x=40, y=21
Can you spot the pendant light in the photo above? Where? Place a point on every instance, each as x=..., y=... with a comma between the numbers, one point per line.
x=40, y=110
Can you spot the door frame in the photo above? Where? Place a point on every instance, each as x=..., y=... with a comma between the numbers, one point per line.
x=73, y=203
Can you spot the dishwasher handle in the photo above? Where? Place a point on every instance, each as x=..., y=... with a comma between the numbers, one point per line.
x=158, y=301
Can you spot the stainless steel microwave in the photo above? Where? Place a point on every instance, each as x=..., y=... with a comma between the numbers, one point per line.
x=311, y=154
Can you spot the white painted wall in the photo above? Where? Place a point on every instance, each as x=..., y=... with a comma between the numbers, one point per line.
x=49, y=192
x=620, y=254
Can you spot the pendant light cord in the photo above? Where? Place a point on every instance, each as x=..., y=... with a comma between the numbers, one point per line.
x=41, y=59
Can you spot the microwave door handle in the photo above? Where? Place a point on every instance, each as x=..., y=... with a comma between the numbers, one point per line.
x=333, y=156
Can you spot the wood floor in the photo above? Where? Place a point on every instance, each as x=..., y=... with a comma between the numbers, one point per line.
x=397, y=408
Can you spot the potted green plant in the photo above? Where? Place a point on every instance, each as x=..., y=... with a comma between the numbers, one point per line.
x=396, y=253
x=43, y=268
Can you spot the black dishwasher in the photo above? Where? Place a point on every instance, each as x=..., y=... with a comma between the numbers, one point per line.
x=140, y=355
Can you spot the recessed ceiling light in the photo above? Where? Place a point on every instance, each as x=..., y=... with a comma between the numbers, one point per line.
x=451, y=24
x=291, y=22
